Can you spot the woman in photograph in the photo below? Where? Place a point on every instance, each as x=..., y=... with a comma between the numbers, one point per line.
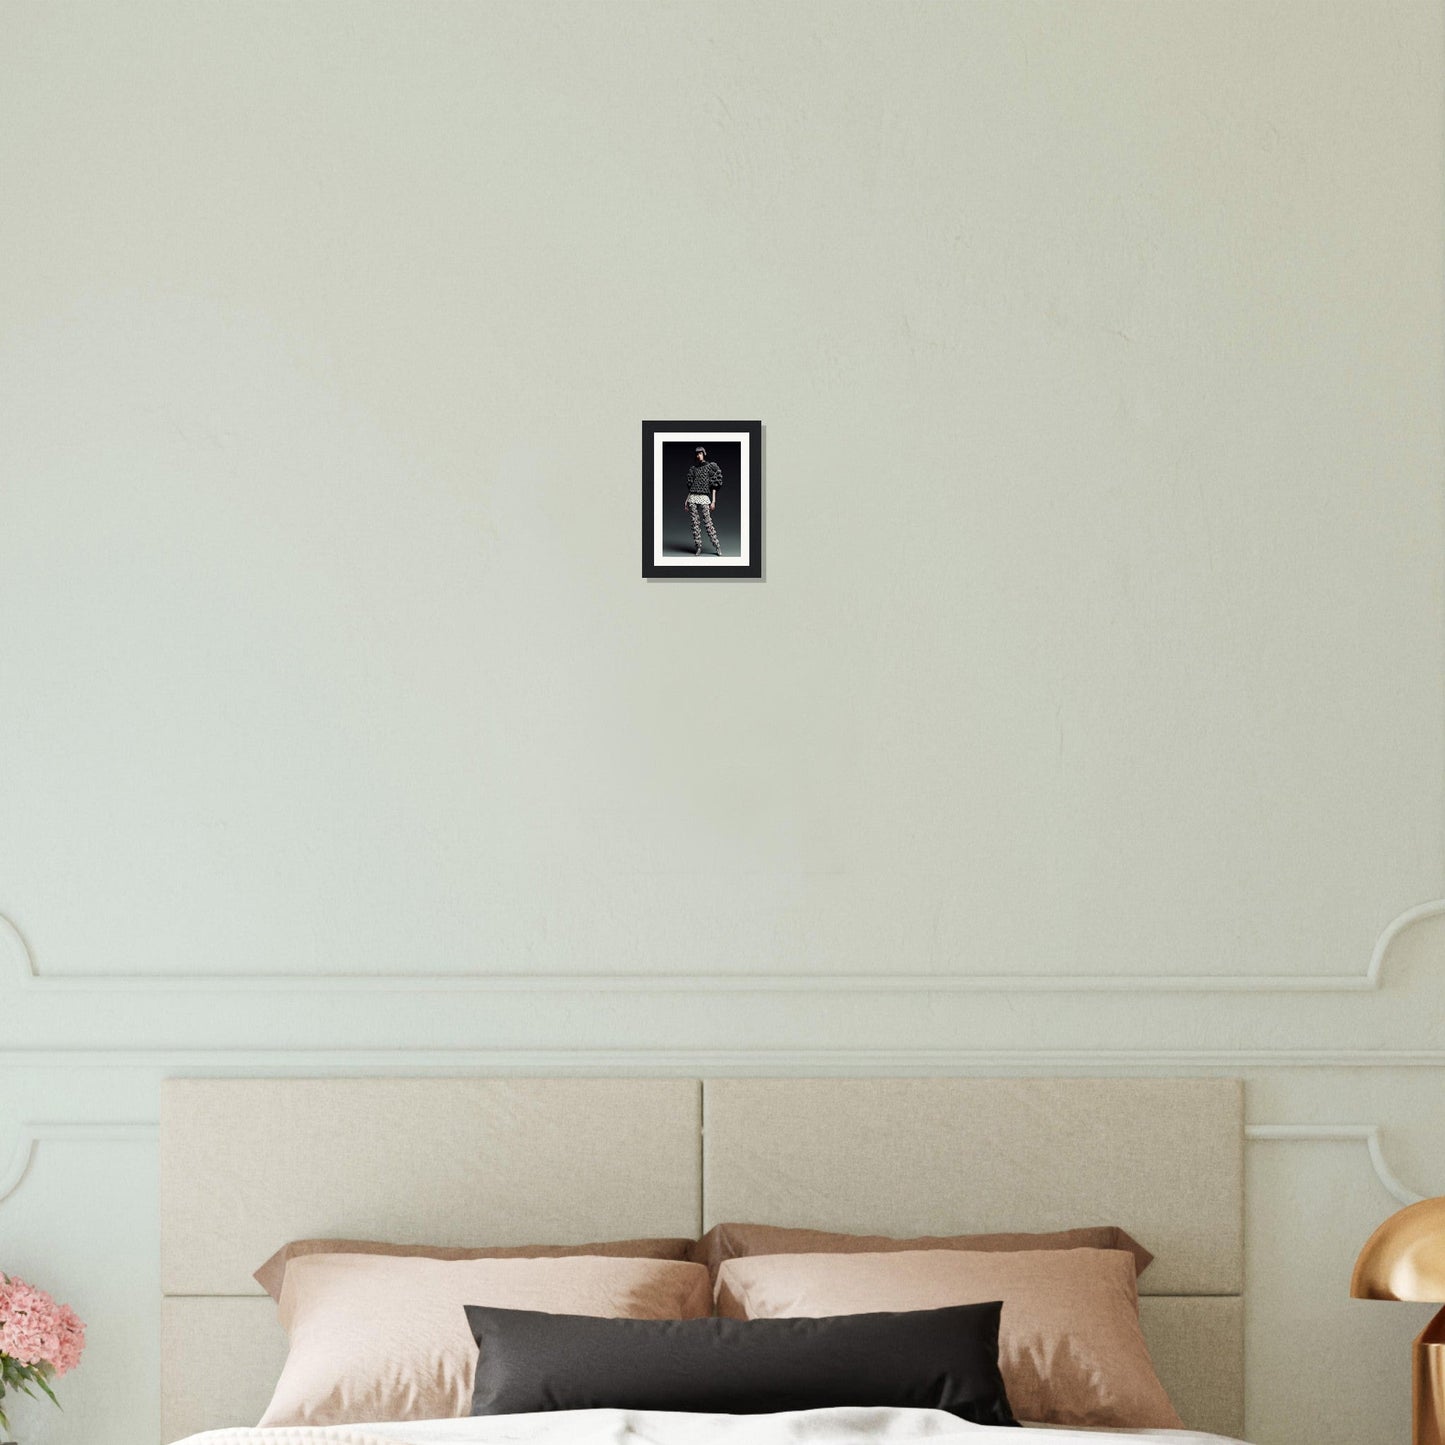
x=703, y=480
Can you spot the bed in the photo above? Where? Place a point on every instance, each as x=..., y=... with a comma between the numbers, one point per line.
x=248, y=1164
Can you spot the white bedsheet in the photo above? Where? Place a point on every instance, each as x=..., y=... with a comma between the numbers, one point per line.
x=845, y=1426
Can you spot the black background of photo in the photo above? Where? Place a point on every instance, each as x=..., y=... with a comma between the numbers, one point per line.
x=677, y=457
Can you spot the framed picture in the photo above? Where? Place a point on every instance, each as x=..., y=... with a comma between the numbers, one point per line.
x=702, y=499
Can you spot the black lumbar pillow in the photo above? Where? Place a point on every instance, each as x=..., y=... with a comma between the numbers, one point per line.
x=943, y=1359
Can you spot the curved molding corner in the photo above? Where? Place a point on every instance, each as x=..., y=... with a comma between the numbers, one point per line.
x=1368, y=1134
x=1435, y=908
x=16, y=955
x=12, y=1176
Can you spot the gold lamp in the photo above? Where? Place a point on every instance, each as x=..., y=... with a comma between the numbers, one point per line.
x=1404, y=1259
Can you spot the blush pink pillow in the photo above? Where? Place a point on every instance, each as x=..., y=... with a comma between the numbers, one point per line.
x=1070, y=1348
x=733, y=1241
x=383, y=1337
x=270, y=1274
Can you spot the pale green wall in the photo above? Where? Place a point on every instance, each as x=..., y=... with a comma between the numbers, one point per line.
x=1099, y=350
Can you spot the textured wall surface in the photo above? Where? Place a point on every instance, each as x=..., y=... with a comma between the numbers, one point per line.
x=1089, y=717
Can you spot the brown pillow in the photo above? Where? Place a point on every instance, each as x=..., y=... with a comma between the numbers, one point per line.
x=377, y=1337
x=1070, y=1347
x=737, y=1241
x=271, y=1274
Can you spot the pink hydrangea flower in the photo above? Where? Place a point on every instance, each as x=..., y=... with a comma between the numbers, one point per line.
x=39, y=1339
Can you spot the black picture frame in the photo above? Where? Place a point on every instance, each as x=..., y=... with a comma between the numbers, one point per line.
x=668, y=546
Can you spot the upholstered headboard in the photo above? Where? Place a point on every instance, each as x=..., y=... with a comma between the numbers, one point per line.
x=248, y=1164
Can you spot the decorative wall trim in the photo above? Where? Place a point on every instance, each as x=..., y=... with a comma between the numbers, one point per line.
x=18, y=961
x=1368, y=1133
x=144, y=1132
x=94, y=1132
x=714, y=1062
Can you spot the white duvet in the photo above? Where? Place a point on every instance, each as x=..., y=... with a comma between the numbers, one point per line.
x=845, y=1426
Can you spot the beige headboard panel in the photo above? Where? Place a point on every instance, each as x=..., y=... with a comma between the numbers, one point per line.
x=249, y=1164
x=1164, y=1158
x=1161, y=1157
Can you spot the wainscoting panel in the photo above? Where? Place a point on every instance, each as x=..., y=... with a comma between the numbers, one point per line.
x=1339, y=1135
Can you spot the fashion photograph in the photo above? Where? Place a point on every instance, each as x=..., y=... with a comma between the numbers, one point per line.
x=701, y=499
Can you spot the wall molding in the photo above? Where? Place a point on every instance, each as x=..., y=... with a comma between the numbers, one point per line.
x=97, y=1131
x=32, y=1135
x=1368, y=1134
x=711, y=1062
x=18, y=962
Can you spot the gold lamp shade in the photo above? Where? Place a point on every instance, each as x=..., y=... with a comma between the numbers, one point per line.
x=1404, y=1259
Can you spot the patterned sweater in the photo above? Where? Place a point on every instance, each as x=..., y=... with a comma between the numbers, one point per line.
x=704, y=479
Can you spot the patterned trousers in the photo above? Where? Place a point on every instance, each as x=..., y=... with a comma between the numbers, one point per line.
x=700, y=511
